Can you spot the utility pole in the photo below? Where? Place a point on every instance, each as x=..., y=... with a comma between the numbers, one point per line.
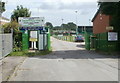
x=62, y=24
x=89, y=22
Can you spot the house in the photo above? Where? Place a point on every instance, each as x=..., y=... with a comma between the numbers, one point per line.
x=100, y=22
x=4, y=20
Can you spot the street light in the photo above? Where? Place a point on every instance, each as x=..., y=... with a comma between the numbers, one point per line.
x=62, y=20
x=76, y=23
x=62, y=23
x=89, y=22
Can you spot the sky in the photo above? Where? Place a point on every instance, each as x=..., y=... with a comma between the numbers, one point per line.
x=56, y=10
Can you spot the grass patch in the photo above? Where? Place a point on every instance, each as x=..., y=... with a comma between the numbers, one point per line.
x=29, y=54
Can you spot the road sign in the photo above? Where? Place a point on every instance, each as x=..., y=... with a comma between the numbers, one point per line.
x=33, y=39
x=109, y=28
x=31, y=21
x=31, y=28
x=112, y=36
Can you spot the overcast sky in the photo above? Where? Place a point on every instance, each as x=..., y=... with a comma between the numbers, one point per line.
x=56, y=10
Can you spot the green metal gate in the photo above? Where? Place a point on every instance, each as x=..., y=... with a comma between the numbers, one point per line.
x=25, y=43
x=102, y=43
x=87, y=41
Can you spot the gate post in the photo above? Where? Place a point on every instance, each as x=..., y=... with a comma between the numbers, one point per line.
x=48, y=40
x=87, y=41
x=25, y=40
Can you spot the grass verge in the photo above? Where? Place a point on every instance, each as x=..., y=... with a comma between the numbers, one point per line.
x=29, y=54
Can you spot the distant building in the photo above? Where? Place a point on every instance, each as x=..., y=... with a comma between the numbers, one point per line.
x=88, y=29
x=100, y=22
x=4, y=20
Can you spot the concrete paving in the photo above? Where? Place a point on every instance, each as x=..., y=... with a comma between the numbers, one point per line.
x=68, y=62
x=8, y=66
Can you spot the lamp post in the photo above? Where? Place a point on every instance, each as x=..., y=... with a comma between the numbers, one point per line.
x=62, y=24
x=76, y=23
x=62, y=20
x=89, y=22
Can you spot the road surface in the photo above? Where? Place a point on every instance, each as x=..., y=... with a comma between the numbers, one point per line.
x=69, y=61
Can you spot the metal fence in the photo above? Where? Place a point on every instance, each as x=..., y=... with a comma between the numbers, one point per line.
x=66, y=38
x=6, y=44
x=101, y=43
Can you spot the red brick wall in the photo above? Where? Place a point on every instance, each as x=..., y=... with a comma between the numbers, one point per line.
x=100, y=23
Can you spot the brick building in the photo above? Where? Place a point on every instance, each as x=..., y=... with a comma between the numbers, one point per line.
x=103, y=39
x=100, y=22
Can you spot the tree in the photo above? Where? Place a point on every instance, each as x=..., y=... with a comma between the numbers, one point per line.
x=57, y=28
x=2, y=7
x=64, y=27
x=72, y=26
x=68, y=26
x=48, y=24
x=112, y=9
x=12, y=25
x=20, y=12
x=16, y=33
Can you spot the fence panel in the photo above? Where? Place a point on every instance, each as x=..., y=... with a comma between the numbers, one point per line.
x=103, y=44
x=6, y=44
x=0, y=46
x=66, y=38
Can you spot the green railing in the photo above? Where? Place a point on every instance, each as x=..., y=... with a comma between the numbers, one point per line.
x=65, y=38
x=102, y=44
x=48, y=42
x=87, y=40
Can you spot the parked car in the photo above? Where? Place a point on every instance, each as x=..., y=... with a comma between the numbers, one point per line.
x=79, y=38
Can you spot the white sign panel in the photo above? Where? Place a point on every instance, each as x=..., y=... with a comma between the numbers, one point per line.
x=33, y=34
x=31, y=21
x=109, y=28
x=112, y=36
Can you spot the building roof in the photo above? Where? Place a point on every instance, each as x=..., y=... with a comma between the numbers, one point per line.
x=4, y=18
x=85, y=26
x=98, y=11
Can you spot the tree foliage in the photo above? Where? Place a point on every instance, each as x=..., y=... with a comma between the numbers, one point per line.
x=2, y=6
x=112, y=9
x=12, y=25
x=57, y=28
x=72, y=26
x=68, y=26
x=48, y=24
x=16, y=33
x=20, y=11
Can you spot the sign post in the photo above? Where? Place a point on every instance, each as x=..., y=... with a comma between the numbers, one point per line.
x=112, y=36
x=33, y=24
x=31, y=21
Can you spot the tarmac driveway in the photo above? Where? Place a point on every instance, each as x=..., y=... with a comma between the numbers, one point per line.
x=68, y=62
